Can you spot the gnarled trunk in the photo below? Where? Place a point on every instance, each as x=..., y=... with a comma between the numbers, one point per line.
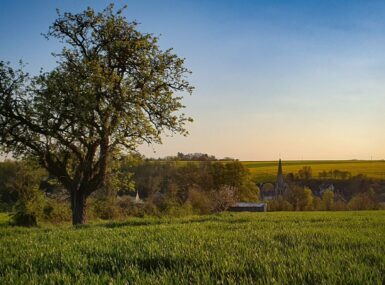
x=78, y=205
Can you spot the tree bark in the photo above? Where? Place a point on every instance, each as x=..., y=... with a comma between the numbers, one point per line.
x=78, y=205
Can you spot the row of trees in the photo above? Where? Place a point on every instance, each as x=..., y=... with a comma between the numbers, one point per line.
x=165, y=188
x=216, y=185
x=306, y=173
x=307, y=194
x=346, y=184
x=196, y=156
x=334, y=174
x=171, y=188
x=303, y=199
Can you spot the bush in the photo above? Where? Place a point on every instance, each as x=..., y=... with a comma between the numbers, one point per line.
x=29, y=209
x=24, y=219
x=150, y=208
x=340, y=206
x=175, y=210
x=129, y=208
x=223, y=198
x=199, y=201
x=279, y=205
x=56, y=211
x=317, y=204
x=106, y=209
x=31, y=201
x=327, y=200
x=363, y=201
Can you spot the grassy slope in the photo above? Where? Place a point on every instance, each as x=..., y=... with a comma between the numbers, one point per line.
x=267, y=170
x=289, y=248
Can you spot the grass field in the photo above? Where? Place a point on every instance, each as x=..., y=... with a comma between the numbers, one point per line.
x=267, y=170
x=259, y=248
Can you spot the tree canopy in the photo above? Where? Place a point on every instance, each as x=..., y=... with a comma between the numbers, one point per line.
x=113, y=88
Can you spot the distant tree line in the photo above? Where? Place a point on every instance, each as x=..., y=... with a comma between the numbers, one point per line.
x=300, y=198
x=165, y=188
x=197, y=156
x=332, y=190
x=175, y=188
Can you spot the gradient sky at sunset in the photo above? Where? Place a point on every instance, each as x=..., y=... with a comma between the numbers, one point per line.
x=304, y=79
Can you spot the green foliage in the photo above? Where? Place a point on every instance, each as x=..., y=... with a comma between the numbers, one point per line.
x=364, y=201
x=56, y=211
x=249, y=192
x=204, y=186
x=8, y=196
x=258, y=248
x=106, y=209
x=31, y=201
x=298, y=198
x=309, y=199
x=113, y=88
x=305, y=173
x=327, y=200
x=279, y=204
x=5, y=219
x=199, y=201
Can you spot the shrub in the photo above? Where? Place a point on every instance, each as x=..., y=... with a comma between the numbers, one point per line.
x=299, y=198
x=363, y=201
x=31, y=201
x=223, y=198
x=199, y=201
x=129, y=208
x=317, y=204
x=340, y=206
x=106, y=209
x=327, y=200
x=56, y=211
x=279, y=205
x=150, y=208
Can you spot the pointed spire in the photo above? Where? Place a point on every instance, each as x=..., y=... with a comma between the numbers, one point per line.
x=280, y=185
x=279, y=168
x=137, y=199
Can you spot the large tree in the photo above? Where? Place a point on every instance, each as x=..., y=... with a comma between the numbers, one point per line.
x=113, y=88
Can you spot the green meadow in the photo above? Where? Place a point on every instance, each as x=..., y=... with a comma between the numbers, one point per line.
x=267, y=170
x=242, y=248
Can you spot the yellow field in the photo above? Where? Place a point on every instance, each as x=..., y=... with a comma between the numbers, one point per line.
x=267, y=170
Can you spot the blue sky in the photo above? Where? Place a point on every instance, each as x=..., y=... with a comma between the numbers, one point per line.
x=304, y=79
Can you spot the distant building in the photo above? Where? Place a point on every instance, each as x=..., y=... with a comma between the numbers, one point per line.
x=280, y=185
x=326, y=186
x=137, y=198
x=248, y=207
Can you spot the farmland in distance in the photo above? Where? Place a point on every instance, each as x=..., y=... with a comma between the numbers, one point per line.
x=267, y=170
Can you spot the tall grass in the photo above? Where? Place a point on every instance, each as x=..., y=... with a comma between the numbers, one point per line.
x=261, y=248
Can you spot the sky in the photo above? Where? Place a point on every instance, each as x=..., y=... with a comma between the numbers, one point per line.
x=290, y=79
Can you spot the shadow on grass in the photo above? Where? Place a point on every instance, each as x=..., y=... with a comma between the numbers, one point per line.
x=152, y=222
x=172, y=221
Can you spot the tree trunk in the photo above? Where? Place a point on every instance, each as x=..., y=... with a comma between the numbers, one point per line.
x=78, y=205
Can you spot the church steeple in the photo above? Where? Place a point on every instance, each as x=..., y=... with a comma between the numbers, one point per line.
x=280, y=185
x=280, y=169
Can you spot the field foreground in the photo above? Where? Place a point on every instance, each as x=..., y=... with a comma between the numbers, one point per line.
x=262, y=248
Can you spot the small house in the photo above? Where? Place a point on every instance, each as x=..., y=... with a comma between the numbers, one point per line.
x=248, y=207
